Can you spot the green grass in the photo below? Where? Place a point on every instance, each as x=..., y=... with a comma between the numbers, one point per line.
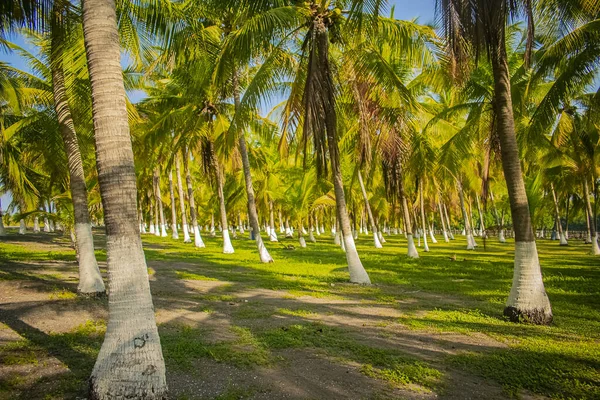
x=183, y=345
x=193, y=277
x=433, y=295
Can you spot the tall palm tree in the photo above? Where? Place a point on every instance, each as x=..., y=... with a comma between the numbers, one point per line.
x=90, y=280
x=130, y=362
x=482, y=25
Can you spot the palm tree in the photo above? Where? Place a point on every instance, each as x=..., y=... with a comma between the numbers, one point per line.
x=482, y=24
x=130, y=362
x=90, y=280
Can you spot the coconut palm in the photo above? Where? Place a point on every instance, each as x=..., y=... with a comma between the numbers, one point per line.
x=130, y=361
x=482, y=25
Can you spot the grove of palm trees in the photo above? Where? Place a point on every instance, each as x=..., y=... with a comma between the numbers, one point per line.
x=269, y=199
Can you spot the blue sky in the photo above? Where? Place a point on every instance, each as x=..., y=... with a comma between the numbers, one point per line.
x=404, y=9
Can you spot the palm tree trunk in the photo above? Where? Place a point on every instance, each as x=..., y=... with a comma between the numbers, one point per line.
x=273, y=232
x=567, y=217
x=501, y=238
x=90, y=279
x=150, y=201
x=412, y=249
x=186, y=233
x=444, y=232
x=327, y=105
x=561, y=234
x=590, y=216
x=159, y=203
x=227, y=246
x=527, y=297
x=130, y=362
x=174, y=234
x=481, y=223
x=156, y=205
x=376, y=240
x=468, y=230
x=188, y=180
x=448, y=222
x=264, y=255
x=141, y=217
x=301, y=239
x=471, y=221
x=240, y=224
x=423, y=223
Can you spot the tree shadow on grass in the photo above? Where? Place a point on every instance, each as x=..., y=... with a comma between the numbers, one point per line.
x=76, y=350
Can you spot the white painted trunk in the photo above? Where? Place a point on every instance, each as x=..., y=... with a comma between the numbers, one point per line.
x=528, y=295
x=156, y=230
x=322, y=229
x=425, y=245
x=175, y=232
x=336, y=239
x=51, y=226
x=376, y=241
x=445, y=236
x=36, y=225
x=470, y=242
x=302, y=241
x=361, y=229
x=46, y=225
x=412, y=249
x=22, y=229
x=273, y=235
x=381, y=238
x=198, y=242
x=355, y=267
x=90, y=279
x=265, y=257
x=163, y=230
x=227, y=246
x=343, y=245
x=355, y=234
x=186, y=234
x=311, y=237
x=501, y=237
x=433, y=239
x=595, y=248
x=563, y=240
x=464, y=232
x=2, y=229
x=304, y=231
x=152, y=229
x=143, y=228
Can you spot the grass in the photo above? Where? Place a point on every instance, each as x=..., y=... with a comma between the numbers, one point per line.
x=183, y=345
x=431, y=296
